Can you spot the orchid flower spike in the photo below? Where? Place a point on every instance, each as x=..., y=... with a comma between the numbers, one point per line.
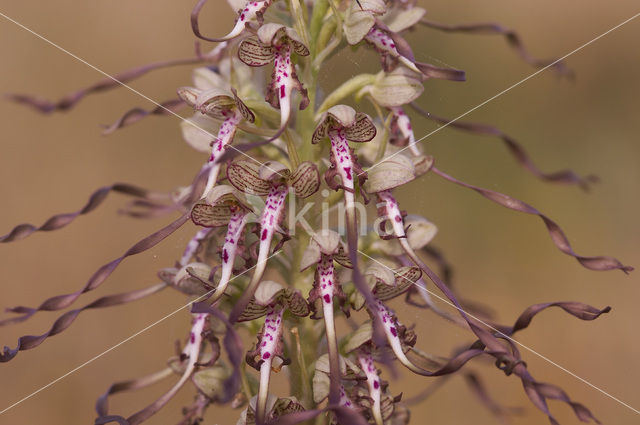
x=271, y=300
x=240, y=223
x=272, y=180
x=222, y=106
x=274, y=43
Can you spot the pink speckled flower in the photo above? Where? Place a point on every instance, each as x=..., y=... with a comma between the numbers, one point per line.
x=271, y=300
x=325, y=247
x=229, y=109
x=342, y=124
x=224, y=206
x=274, y=43
x=272, y=180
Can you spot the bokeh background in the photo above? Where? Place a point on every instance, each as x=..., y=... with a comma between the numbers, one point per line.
x=50, y=164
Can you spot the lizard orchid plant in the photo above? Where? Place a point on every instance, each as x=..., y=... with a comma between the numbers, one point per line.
x=254, y=265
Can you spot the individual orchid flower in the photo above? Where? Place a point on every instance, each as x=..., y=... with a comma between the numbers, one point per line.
x=252, y=12
x=271, y=300
x=380, y=39
x=274, y=43
x=323, y=248
x=224, y=107
x=387, y=175
x=376, y=400
x=272, y=180
x=368, y=23
x=387, y=283
x=342, y=124
x=224, y=206
x=392, y=330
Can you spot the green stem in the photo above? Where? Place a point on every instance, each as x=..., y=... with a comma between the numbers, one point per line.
x=306, y=397
x=246, y=387
x=328, y=30
x=382, y=148
x=291, y=149
x=345, y=89
x=317, y=16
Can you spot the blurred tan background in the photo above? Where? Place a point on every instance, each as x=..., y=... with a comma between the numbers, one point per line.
x=50, y=164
